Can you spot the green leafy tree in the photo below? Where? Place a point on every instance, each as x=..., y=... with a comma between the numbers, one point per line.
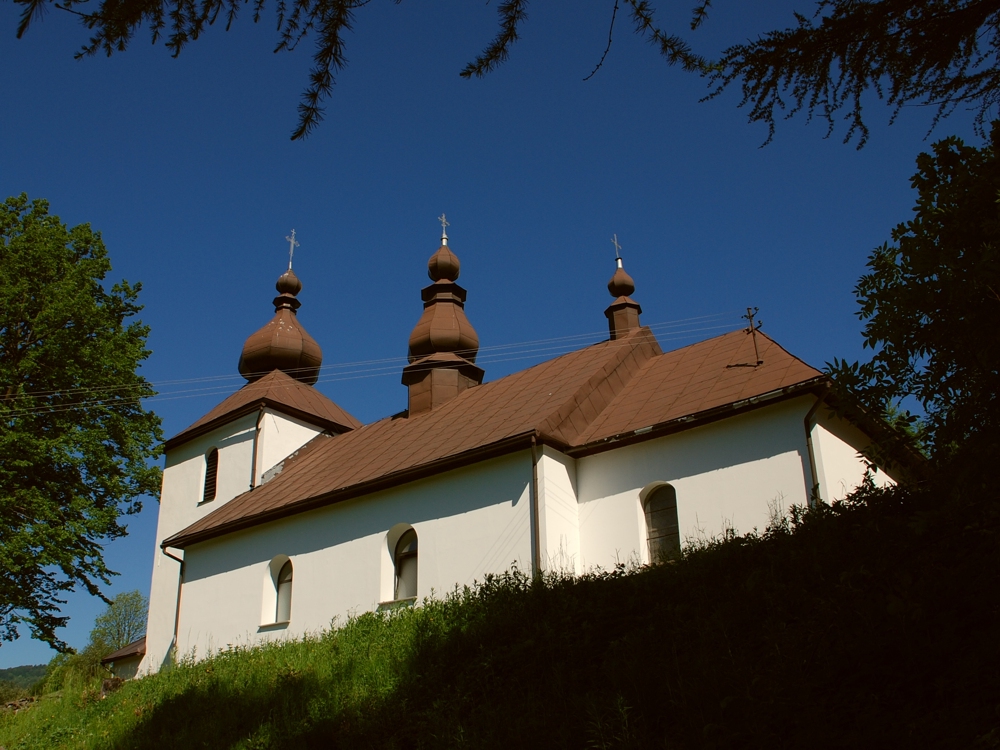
x=75, y=441
x=937, y=52
x=122, y=622
x=931, y=306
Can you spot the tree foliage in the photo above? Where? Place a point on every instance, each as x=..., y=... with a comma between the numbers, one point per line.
x=75, y=441
x=122, y=622
x=931, y=302
x=114, y=23
x=941, y=53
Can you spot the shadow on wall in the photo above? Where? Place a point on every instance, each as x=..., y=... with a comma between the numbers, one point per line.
x=715, y=650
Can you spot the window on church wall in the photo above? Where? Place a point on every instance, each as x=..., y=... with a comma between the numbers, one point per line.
x=405, y=559
x=283, y=610
x=211, y=475
x=662, y=528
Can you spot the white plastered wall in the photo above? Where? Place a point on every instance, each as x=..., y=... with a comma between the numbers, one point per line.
x=280, y=436
x=727, y=475
x=839, y=465
x=469, y=522
x=558, y=512
x=181, y=502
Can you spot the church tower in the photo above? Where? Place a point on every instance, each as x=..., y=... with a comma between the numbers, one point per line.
x=237, y=447
x=443, y=345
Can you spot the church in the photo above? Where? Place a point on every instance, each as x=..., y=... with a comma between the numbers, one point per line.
x=280, y=511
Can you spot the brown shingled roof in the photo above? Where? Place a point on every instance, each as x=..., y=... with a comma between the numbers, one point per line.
x=279, y=391
x=697, y=379
x=573, y=402
x=135, y=648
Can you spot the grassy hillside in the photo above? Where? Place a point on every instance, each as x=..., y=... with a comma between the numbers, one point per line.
x=870, y=624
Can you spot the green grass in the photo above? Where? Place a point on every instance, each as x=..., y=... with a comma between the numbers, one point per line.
x=870, y=624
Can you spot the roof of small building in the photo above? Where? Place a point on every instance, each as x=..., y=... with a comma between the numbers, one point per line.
x=135, y=648
x=585, y=401
x=280, y=392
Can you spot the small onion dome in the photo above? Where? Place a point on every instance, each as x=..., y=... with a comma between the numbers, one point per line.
x=443, y=264
x=283, y=343
x=621, y=284
x=288, y=283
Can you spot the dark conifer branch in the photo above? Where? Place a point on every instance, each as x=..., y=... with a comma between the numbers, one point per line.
x=940, y=53
x=672, y=47
x=904, y=51
x=334, y=18
x=512, y=14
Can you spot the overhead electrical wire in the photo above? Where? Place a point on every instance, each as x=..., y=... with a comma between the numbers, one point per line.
x=105, y=396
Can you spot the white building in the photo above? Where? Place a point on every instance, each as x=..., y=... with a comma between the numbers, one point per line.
x=280, y=511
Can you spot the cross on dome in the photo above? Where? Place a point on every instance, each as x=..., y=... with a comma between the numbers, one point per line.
x=618, y=248
x=444, y=229
x=292, y=244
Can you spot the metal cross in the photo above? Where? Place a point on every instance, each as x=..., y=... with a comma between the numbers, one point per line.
x=444, y=224
x=292, y=244
x=614, y=241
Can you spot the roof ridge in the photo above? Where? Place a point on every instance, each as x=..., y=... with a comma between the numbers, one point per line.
x=279, y=392
x=571, y=419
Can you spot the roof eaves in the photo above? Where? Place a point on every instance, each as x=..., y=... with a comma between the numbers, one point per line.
x=679, y=424
x=183, y=539
x=135, y=648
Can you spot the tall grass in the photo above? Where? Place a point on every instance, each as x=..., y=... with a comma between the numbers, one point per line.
x=868, y=624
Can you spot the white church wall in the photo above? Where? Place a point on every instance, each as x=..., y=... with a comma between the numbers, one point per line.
x=181, y=505
x=726, y=474
x=280, y=436
x=469, y=522
x=839, y=465
x=558, y=512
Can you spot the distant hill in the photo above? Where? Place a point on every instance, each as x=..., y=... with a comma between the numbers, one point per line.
x=23, y=677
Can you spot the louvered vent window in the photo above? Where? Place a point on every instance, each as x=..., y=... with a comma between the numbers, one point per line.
x=662, y=529
x=211, y=475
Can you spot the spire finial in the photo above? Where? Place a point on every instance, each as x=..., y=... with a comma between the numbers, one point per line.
x=444, y=229
x=618, y=248
x=292, y=244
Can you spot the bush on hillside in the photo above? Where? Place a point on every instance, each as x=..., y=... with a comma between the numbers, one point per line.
x=869, y=623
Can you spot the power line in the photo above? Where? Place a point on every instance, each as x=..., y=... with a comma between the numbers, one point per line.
x=669, y=330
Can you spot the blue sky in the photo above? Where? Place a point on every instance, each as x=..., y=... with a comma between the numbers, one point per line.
x=186, y=167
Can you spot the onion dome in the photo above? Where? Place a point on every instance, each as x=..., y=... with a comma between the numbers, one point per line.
x=283, y=343
x=443, y=326
x=443, y=345
x=623, y=313
x=621, y=284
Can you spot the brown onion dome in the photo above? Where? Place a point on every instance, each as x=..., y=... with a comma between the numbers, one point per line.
x=283, y=343
x=621, y=284
x=443, y=264
x=443, y=327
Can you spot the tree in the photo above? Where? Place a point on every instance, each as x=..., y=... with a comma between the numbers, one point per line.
x=936, y=52
x=931, y=302
x=75, y=441
x=941, y=53
x=122, y=622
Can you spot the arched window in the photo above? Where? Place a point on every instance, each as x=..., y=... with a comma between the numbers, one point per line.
x=662, y=529
x=283, y=610
x=405, y=560
x=211, y=475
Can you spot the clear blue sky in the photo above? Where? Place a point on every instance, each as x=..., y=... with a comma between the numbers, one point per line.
x=186, y=167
